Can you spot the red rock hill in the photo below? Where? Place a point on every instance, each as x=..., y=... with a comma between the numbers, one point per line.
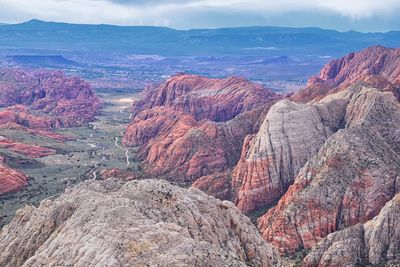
x=191, y=126
x=377, y=66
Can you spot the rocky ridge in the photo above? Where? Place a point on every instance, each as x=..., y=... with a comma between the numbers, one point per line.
x=349, y=180
x=148, y=222
x=290, y=134
x=376, y=66
x=45, y=99
x=192, y=126
x=375, y=242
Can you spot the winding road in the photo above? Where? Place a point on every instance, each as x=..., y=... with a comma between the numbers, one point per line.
x=125, y=149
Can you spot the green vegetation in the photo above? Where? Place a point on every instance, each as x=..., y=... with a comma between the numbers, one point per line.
x=93, y=150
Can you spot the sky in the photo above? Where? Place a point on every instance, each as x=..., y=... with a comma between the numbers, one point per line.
x=342, y=15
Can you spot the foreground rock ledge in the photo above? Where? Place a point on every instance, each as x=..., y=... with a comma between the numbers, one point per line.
x=140, y=223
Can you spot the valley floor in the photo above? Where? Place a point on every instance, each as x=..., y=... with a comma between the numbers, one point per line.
x=97, y=146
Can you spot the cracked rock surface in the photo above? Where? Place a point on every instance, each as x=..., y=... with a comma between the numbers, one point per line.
x=140, y=223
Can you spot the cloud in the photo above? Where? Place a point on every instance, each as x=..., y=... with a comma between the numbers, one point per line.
x=338, y=14
x=149, y=2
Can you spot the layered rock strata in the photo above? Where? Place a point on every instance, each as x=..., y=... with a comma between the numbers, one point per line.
x=350, y=179
x=192, y=126
x=376, y=66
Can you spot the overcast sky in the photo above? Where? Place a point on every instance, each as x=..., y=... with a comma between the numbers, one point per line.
x=362, y=15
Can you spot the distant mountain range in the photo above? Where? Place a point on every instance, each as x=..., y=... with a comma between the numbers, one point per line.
x=41, y=60
x=52, y=36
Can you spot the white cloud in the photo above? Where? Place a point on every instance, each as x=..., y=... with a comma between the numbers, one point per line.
x=175, y=13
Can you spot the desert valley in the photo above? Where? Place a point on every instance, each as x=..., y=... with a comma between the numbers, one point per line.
x=144, y=155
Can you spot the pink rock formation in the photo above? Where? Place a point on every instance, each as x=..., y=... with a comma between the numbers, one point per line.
x=37, y=102
x=205, y=98
x=377, y=66
x=10, y=180
x=25, y=149
x=193, y=126
x=374, y=243
x=58, y=100
x=290, y=134
x=351, y=178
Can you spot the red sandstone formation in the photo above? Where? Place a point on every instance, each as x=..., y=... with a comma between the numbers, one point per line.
x=10, y=180
x=24, y=149
x=205, y=98
x=374, y=243
x=37, y=132
x=377, y=66
x=46, y=99
x=217, y=185
x=35, y=103
x=349, y=180
x=192, y=126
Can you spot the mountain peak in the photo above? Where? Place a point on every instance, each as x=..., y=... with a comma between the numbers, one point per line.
x=34, y=21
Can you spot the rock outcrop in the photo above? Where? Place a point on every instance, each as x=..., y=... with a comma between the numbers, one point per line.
x=36, y=102
x=218, y=185
x=374, y=243
x=206, y=98
x=147, y=222
x=291, y=133
x=376, y=66
x=350, y=179
x=32, y=151
x=46, y=99
x=123, y=175
x=192, y=126
x=11, y=180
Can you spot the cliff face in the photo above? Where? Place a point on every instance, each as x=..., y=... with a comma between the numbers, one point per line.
x=350, y=179
x=377, y=66
x=46, y=99
x=375, y=242
x=192, y=126
x=205, y=98
x=290, y=134
x=148, y=222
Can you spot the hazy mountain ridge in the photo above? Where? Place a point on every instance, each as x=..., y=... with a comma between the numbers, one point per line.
x=36, y=34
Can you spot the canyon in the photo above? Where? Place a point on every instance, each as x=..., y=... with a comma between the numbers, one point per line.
x=253, y=177
x=37, y=102
x=309, y=169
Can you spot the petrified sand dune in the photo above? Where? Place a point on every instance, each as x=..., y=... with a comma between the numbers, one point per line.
x=290, y=134
x=372, y=243
x=376, y=66
x=61, y=101
x=192, y=126
x=354, y=174
x=140, y=223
